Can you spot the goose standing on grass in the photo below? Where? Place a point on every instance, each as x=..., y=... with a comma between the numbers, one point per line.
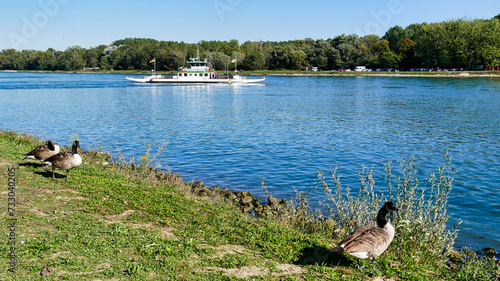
x=65, y=160
x=43, y=151
x=370, y=241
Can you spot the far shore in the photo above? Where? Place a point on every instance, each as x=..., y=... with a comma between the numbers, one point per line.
x=292, y=73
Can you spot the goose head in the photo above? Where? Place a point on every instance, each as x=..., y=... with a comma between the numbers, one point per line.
x=389, y=206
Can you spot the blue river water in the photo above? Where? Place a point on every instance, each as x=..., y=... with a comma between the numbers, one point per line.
x=285, y=130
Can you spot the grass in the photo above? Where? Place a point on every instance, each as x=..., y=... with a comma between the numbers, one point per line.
x=117, y=221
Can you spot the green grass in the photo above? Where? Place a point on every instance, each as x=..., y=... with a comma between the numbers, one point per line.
x=117, y=221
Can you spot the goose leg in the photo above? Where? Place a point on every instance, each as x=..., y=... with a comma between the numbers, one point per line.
x=373, y=264
x=44, y=167
x=53, y=174
x=67, y=173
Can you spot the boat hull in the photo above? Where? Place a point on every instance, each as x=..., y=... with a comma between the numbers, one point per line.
x=239, y=80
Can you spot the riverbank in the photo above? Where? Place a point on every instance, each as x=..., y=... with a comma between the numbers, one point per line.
x=117, y=220
x=455, y=74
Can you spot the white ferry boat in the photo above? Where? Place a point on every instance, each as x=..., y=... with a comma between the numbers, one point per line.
x=197, y=72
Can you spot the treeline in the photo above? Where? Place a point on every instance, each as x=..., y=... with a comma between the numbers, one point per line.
x=462, y=43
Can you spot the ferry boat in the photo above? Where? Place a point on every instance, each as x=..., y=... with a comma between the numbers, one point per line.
x=198, y=71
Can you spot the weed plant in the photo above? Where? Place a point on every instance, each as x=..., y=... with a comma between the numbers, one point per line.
x=421, y=222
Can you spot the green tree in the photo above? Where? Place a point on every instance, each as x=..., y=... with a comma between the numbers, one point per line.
x=490, y=42
x=104, y=63
x=368, y=50
x=234, y=46
x=255, y=61
x=407, y=53
x=317, y=53
x=248, y=47
x=297, y=60
x=394, y=35
x=219, y=60
x=348, y=54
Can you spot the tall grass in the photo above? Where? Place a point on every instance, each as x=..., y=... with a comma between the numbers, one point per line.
x=420, y=223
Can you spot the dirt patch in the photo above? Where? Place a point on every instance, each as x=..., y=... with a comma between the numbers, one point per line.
x=52, y=191
x=164, y=232
x=58, y=254
x=251, y=271
x=121, y=215
x=225, y=250
x=5, y=164
x=38, y=213
x=248, y=271
x=65, y=199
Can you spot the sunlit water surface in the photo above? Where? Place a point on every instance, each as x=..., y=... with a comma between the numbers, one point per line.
x=284, y=130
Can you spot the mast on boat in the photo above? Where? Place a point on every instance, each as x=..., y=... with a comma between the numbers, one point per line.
x=154, y=66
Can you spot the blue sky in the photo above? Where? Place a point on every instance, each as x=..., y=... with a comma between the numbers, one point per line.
x=40, y=24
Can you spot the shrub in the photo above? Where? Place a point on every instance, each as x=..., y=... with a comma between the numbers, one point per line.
x=420, y=223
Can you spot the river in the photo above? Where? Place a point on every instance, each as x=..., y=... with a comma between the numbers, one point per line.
x=285, y=130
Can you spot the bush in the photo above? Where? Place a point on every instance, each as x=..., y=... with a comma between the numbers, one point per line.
x=420, y=223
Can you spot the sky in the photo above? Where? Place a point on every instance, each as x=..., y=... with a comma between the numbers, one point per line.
x=59, y=24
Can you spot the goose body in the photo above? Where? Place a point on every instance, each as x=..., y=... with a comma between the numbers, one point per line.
x=43, y=152
x=65, y=160
x=370, y=241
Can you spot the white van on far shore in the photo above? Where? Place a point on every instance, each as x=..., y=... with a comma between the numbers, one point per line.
x=360, y=68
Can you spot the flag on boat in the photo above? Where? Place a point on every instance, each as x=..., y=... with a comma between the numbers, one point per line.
x=233, y=61
x=152, y=60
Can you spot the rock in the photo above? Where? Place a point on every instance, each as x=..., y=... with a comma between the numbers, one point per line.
x=490, y=251
x=215, y=189
x=247, y=210
x=256, y=202
x=197, y=184
x=455, y=256
x=259, y=209
x=247, y=201
x=273, y=201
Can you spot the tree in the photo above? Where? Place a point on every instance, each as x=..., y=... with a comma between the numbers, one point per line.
x=104, y=63
x=297, y=60
x=490, y=42
x=394, y=35
x=278, y=58
x=219, y=60
x=234, y=46
x=407, y=53
x=248, y=47
x=317, y=53
x=255, y=61
x=368, y=53
x=348, y=55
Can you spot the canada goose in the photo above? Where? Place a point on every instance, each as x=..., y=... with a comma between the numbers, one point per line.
x=65, y=160
x=43, y=151
x=370, y=241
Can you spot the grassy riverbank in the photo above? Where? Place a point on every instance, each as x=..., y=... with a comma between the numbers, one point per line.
x=460, y=74
x=115, y=221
